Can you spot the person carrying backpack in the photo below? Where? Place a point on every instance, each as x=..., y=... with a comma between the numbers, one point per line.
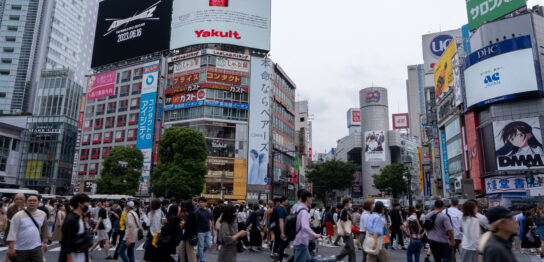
x=304, y=233
x=439, y=228
x=280, y=240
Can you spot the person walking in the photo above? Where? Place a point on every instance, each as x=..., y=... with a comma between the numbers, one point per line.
x=100, y=228
x=121, y=232
x=228, y=235
x=280, y=242
x=75, y=243
x=204, y=227
x=241, y=218
x=61, y=215
x=441, y=246
x=396, y=223
x=471, y=233
x=315, y=219
x=538, y=220
x=375, y=229
x=168, y=238
x=329, y=223
x=356, y=230
x=266, y=218
x=28, y=233
x=526, y=224
x=367, y=208
x=344, y=225
x=413, y=230
x=216, y=213
x=254, y=228
x=18, y=205
x=190, y=233
x=496, y=244
x=156, y=221
x=132, y=224
x=455, y=216
x=304, y=231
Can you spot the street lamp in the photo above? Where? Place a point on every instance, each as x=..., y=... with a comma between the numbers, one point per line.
x=407, y=167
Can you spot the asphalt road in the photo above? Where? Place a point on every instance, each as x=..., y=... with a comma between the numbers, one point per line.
x=247, y=256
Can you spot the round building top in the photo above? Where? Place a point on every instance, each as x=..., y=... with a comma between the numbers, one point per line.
x=373, y=96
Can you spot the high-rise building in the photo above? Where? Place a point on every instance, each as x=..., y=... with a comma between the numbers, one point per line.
x=39, y=35
x=416, y=102
x=303, y=142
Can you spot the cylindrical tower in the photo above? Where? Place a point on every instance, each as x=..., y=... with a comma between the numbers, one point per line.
x=374, y=127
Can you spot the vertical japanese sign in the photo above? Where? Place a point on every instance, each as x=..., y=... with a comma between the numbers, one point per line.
x=259, y=121
x=147, y=114
x=420, y=168
x=445, y=161
x=427, y=177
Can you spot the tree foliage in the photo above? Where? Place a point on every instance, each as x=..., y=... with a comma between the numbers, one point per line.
x=390, y=180
x=182, y=164
x=331, y=175
x=121, y=180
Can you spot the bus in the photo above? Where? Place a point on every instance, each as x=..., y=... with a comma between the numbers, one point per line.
x=11, y=192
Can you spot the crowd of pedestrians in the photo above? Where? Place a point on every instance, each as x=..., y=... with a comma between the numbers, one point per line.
x=447, y=232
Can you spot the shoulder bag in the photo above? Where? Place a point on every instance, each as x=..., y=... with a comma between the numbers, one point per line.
x=140, y=231
x=369, y=242
x=347, y=225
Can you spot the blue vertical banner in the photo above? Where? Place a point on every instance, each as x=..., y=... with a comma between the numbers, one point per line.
x=146, y=120
x=427, y=180
x=445, y=161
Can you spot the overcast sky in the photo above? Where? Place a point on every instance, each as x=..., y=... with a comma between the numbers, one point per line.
x=332, y=49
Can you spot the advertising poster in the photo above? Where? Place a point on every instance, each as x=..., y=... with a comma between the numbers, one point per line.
x=500, y=71
x=480, y=11
x=445, y=161
x=34, y=169
x=259, y=121
x=101, y=85
x=505, y=184
x=147, y=114
x=354, y=117
x=518, y=144
x=443, y=70
x=374, y=145
x=236, y=22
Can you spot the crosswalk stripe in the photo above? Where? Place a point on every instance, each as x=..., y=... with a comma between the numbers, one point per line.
x=141, y=247
x=3, y=249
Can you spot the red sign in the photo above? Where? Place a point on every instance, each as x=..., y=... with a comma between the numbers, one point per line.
x=101, y=85
x=80, y=121
x=310, y=154
x=222, y=3
x=401, y=121
x=224, y=78
x=186, y=97
x=267, y=187
x=190, y=88
x=185, y=79
x=356, y=116
x=217, y=33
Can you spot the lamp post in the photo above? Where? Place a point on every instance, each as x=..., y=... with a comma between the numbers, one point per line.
x=407, y=167
x=223, y=176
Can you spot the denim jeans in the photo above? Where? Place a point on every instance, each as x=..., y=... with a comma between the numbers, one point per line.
x=302, y=253
x=129, y=249
x=414, y=248
x=204, y=240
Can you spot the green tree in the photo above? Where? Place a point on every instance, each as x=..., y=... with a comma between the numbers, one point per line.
x=390, y=180
x=329, y=176
x=182, y=164
x=118, y=179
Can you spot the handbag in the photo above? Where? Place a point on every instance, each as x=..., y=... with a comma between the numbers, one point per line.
x=84, y=241
x=218, y=222
x=107, y=224
x=140, y=231
x=386, y=240
x=369, y=242
x=347, y=224
x=193, y=241
x=532, y=236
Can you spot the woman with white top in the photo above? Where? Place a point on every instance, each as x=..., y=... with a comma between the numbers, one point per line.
x=241, y=217
x=471, y=233
x=156, y=221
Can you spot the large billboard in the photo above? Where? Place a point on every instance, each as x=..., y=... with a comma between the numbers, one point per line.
x=375, y=145
x=146, y=122
x=481, y=11
x=500, y=71
x=101, y=85
x=236, y=22
x=435, y=44
x=354, y=117
x=443, y=70
x=126, y=29
x=518, y=144
x=259, y=121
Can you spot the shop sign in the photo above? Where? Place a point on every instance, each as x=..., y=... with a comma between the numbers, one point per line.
x=224, y=78
x=185, y=79
x=505, y=184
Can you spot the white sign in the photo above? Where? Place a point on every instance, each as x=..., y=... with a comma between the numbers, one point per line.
x=187, y=65
x=375, y=142
x=259, y=121
x=435, y=44
x=505, y=184
x=518, y=144
x=236, y=22
x=501, y=75
x=232, y=64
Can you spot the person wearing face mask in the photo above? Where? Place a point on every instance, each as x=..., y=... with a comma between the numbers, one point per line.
x=76, y=237
x=344, y=221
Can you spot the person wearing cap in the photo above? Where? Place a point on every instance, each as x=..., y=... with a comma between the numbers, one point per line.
x=497, y=242
x=132, y=224
x=374, y=229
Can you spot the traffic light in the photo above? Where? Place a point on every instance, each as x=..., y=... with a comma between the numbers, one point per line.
x=530, y=178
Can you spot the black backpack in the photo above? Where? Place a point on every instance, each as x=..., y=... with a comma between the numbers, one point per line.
x=429, y=223
x=291, y=225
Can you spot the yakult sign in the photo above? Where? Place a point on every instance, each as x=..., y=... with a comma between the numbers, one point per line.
x=435, y=44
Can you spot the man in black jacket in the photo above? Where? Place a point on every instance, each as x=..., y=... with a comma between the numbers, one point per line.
x=73, y=244
x=396, y=223
x=503, y=226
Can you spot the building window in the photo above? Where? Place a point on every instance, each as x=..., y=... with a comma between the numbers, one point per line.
x=15, y=145
x=107, y=137
x=135, y=103
x=10, y=39
x=138, y=73
x=136, y=88
x=124, y=90
x=98, y=123
x=125, y=76
x=12, y=28
x=95, y=153
x=4, y=72
x=120, y=136
x=8, y=49
x=82, y=169
x=105, y=152
x=3, y=162
x=131, y=134
x=93, y=168
x=86, y=139
x=133, y=119
x=123, y=105
x=96, y=138
x=87, y=124
x=121, y=120
x=110, y=121
x=84, y=154
x=100, y=109
x=111, y=107
x=14, y=17
x=16, y=7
